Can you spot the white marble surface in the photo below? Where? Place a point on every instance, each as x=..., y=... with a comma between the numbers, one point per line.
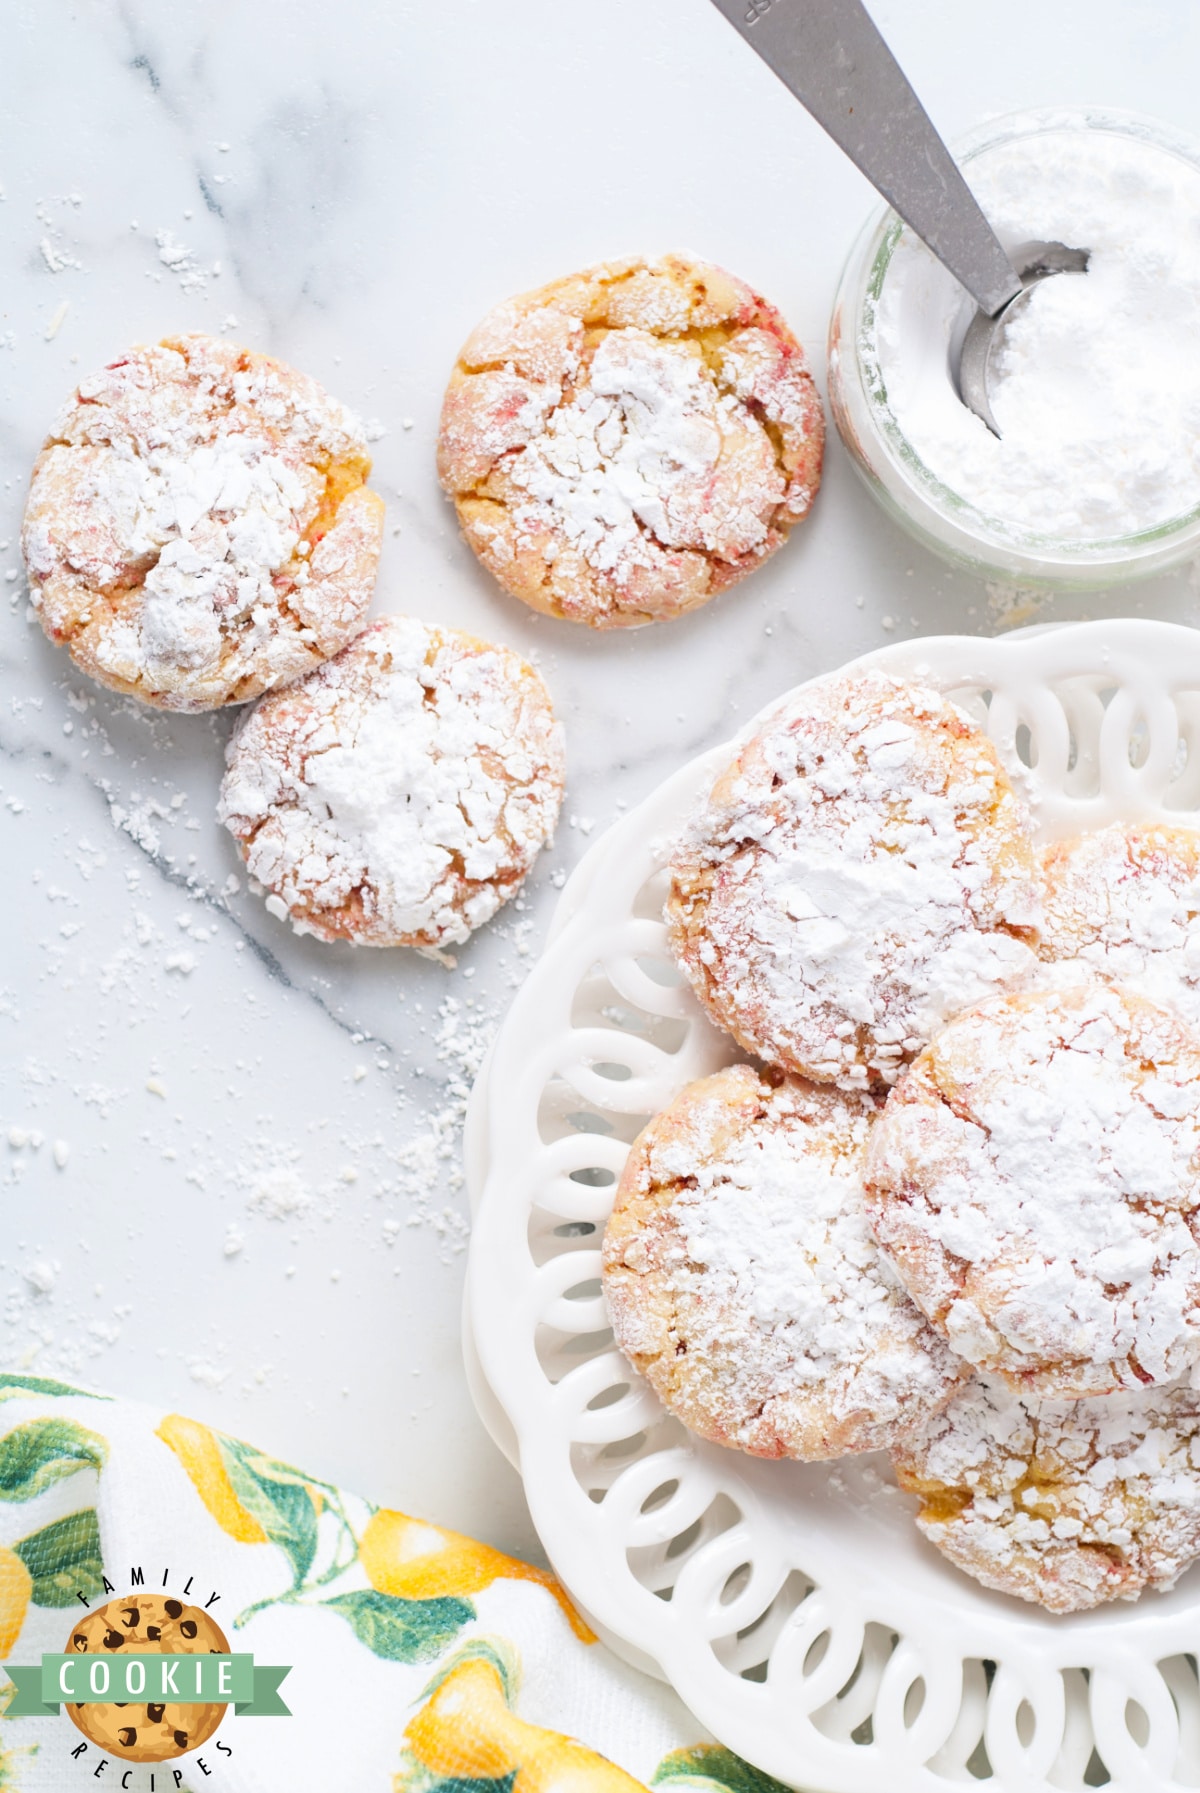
x=370, y=178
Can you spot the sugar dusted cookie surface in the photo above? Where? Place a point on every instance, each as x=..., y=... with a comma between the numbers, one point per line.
x=1035, y=1179
x=860, y=871
x=1067, y=1503
x=197, y=529
x=399, y=795
x=742, y=1282
x=625, y=443
x=1124, y=903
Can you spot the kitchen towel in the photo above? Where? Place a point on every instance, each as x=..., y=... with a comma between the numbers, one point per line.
x=419, y=1660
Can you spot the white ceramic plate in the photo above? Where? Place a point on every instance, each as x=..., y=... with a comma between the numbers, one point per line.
x=795, y=1607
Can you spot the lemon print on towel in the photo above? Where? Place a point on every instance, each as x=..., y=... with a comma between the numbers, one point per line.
x=200, y=1454
x=16, y=1585
x=46, y=1567
x=420, y=1579
x=406, y=1557
x=466, y=1738
x=261, y=1502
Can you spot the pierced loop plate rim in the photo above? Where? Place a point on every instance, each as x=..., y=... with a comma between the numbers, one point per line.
x=921, y=1695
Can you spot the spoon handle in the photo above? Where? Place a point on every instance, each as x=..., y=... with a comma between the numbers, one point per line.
x=830, y=55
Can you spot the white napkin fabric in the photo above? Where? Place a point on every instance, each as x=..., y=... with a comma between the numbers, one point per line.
x=421, y=1661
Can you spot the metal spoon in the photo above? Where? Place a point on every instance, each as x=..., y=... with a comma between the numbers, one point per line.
x=830, y=54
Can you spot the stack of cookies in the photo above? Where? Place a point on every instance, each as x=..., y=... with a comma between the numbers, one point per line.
x=954, y=1210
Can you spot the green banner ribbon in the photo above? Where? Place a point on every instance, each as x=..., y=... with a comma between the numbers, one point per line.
x=266, y=1702
x=139, y=1678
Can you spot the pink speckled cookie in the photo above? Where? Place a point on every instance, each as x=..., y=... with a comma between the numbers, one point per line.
x=623, y=444
x=1035, y=1179
x=400, y=794
x=1066, y=1503
x=197, y=529
x=742, y=1281
x=861, y=871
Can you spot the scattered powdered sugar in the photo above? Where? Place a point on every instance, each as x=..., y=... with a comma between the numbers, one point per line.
x=1125, y=903
x=742, y=1278
x=1097, y=387
x=1069, y=1503
x=430, y=1163
x=862, y=871
x=277, y=1191
x=182, y=262
x=401, y=794
x=1036, y=1179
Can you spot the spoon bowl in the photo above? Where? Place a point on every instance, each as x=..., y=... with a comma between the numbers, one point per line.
x=1033, y=263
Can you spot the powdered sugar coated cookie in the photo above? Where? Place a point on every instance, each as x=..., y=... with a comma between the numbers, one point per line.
x=1035, y=1178
x=1125, y=904
x=861, y=871
x=400, y=794
x=1068, y=1503
x=623, y=444
x=197, y=529
x=742, y=1282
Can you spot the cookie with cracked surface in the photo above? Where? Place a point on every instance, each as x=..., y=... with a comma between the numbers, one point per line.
x=742, y=1282
x=156, y=1625
x=1066, y=1503
x=399, y=795
x=1035, y=1179
x=862, y=870
x=1124, y=904
x=198, y=529
x=623, y=444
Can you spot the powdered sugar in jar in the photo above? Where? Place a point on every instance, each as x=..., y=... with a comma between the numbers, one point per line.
x=1095, y=476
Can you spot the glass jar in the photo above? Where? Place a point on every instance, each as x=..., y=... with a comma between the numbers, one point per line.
x=941, y=518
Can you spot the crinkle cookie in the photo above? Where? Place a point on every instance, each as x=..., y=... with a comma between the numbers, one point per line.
x=742, y=1281
x=623, y=444
x=861, y=871
x=398, y=795
x=1124, y=902
x=197, y=529
x=1035, y=1179
x=1069, y=1503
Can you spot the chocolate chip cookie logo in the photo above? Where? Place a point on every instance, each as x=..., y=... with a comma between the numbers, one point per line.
x=146, y=1679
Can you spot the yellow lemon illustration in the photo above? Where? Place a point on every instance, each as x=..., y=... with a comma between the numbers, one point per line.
x=466, y=1731
x=200, y=1455
x=416, y=1561
x=15, y=1587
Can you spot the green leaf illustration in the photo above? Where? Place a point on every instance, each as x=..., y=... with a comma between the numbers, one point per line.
x=414, y=1777
x=278, y=1496
x=44, y=1451
x=12, y=1385
x=402, y=1630
x=64, y=1559
x=709, y=1764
